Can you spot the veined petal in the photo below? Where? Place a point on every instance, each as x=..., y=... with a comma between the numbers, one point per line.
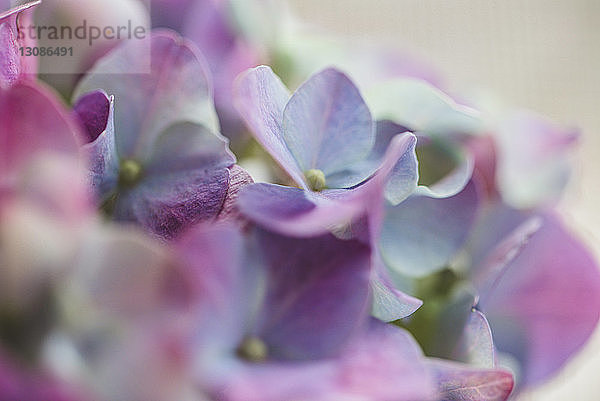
x=476, y=347
x=294, y=211
x=327, y=125
x=176, y=89
x=168, y=203
x=389, y=303
x=260, y=98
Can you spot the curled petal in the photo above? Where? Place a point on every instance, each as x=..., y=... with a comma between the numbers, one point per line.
x=422, y=234
x=175, y=89
x=96, y=111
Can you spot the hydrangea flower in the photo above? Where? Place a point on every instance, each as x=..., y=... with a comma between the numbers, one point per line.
x=161, y=162
x=271, y=326
x=512, y=267
x=324, y=138
x=542, y=299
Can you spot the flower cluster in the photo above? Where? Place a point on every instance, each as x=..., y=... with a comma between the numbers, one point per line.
x=406, y=247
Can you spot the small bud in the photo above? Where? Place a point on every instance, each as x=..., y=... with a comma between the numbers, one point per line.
x=253, y=349
x=315, y=179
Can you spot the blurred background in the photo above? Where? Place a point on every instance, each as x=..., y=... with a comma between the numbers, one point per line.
x=542, y=55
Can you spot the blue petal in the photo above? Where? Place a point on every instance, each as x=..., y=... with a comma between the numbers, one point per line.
x=422, y=234
x=327, y=126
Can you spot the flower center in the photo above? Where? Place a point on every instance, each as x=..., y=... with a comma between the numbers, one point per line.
x=315, y=179
x=253, y=349
x=130, y=173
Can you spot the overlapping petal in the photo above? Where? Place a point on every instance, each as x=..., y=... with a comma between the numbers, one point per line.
x=176, y=89
x=298, y=212
x=422, y=234
x=162, y=162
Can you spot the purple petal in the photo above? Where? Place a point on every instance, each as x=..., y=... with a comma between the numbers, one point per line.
x=168, y=203
x=293, y=211
x=546, y=305
x=385, y=131
x=211, y=27
x=458, y=382
x=101, y=152
x=317, y=294
x=488, y=273
x=260, y=98
x=176, y=89
x=221, y=283
x=93, y=110
x=238, y=179
x=169, y=13
x=280, y=381
x=327, y=126
x=385, y=363
x=32, y=120
x=422, y=234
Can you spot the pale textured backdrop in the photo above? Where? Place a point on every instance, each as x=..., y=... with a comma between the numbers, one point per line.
x=542, y=55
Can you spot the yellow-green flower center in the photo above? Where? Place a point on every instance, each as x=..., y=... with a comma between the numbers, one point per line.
x=253, y=349
x=130, y=172
x=315, y=179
